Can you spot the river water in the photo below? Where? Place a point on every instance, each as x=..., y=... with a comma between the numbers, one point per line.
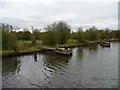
x=89, y=67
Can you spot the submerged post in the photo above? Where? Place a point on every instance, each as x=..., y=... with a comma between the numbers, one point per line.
x=35, y=57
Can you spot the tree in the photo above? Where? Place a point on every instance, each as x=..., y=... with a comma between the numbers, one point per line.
x=8, y=39
x=115, y=34
x=57, y=33
x=20, y=35
x=74, y=35
x=34, y=41
x=64, y=31
x=92, y=33
x=26, y=35
x=36, y=34
x=80, y=35
x=107, y=32
x=102, y=34
x=52, y=36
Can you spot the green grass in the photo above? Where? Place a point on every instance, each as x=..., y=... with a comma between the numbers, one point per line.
x=7, y=51
x=72, y=42
x=22, y=42
x=30, y=49
x=39, y=42
x=25, y=45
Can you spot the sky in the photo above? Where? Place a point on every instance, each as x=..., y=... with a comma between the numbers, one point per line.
x=76, y=13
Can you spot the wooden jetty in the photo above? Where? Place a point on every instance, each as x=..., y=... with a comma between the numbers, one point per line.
x=62, y=51
x=105, y=44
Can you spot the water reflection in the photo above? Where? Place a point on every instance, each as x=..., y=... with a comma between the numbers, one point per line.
x=89, y=66
x=80, y=52
x=10, y=65
x=93, y=49
x=83, y=50
x=55, y=60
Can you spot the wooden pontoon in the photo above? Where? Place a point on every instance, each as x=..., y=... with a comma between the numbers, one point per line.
x=63, y=51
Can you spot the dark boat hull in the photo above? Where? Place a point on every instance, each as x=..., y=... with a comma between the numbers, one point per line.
x=105, y=44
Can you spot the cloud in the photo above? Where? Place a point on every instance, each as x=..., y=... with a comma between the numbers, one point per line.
x=39, y=13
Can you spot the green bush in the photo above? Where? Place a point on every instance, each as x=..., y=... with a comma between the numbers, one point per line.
x=8, y=38
x=57, y=33
x=9, y=41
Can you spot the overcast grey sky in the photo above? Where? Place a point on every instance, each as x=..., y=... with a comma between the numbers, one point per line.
x=40, y=13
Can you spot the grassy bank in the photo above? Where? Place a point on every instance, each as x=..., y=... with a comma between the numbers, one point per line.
x=74, y=43
x=25, y=47
x=27, y=51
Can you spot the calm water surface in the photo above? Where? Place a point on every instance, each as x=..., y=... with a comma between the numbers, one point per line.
x=89, y=67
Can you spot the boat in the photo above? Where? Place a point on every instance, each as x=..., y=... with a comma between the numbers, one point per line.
x=105, y=44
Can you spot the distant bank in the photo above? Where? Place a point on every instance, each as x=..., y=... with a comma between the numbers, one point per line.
x=40, y=48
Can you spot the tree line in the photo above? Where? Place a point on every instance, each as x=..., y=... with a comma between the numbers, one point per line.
x=56, y=33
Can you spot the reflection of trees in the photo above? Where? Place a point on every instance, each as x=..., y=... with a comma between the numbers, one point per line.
x=10, y=65
x=54, y=60
x=79, y=52
x=92, y=48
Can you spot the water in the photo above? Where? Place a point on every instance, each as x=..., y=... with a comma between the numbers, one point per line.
x=89, y=67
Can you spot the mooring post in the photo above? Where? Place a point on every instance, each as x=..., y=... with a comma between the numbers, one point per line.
x=35, y=57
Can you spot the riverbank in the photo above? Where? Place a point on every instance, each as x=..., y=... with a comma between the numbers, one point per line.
x=19, y=53
x=27, y=51
x=89, y=43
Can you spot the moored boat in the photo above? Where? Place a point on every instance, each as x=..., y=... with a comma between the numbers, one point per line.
x=105, y=44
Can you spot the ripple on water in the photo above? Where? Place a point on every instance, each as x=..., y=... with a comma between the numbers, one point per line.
x=88, y=67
